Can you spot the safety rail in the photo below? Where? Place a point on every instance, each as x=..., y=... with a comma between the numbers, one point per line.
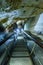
x=9, y=45
x=33, y=37
x=6, y=38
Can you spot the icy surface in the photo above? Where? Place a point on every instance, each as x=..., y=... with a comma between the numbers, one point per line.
x=39, y=26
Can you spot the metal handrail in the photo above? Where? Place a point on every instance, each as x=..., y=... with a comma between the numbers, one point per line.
x=8, y=36
x=37, y=40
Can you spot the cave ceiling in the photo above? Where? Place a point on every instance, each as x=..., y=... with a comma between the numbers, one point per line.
x=20, y=9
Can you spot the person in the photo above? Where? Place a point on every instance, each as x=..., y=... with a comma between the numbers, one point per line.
x=2, y=29
x=15, y=26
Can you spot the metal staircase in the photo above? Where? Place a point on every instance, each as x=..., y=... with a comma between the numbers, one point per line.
x=20, y=55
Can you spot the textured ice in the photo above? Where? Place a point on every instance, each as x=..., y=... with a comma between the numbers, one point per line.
x=39, y=26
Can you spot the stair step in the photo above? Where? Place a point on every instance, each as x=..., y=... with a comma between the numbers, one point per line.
x=20, y=54
x=20, y=45
x=20, y=61
x=20, y=49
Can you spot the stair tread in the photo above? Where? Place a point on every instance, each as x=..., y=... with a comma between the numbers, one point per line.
x=20, y=54
x=20, y=61
x=20, y=48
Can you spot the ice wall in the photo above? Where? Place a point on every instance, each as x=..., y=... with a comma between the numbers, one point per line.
x=39, y=25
